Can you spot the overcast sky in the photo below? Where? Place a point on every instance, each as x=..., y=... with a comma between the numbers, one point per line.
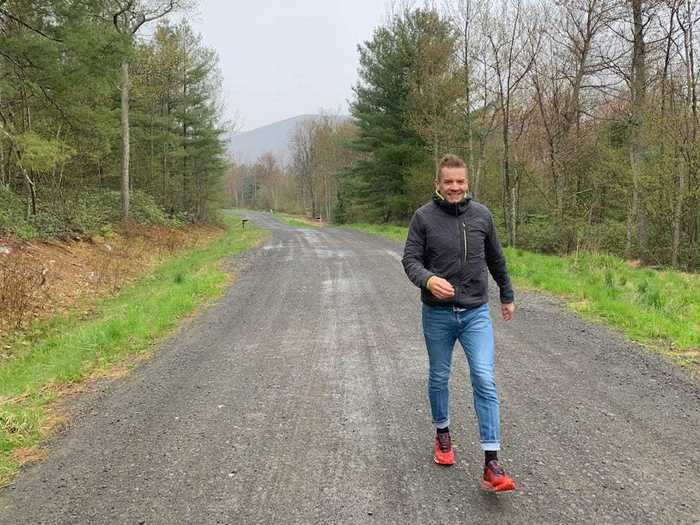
x=283, y=58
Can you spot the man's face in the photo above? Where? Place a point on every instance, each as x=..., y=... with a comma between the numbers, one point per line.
x=452, y=184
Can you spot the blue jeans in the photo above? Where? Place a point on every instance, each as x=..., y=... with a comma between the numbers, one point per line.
x=442, y=326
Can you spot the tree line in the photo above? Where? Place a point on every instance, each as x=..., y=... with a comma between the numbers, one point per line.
x=578, y=121
x=307, y=182
x=94, y=115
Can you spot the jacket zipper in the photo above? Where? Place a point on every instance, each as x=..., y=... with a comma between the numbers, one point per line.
x=466, y=243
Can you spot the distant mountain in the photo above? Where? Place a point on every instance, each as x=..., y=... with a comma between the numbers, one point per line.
x=248, y=146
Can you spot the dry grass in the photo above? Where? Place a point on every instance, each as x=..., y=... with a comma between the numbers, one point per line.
x=29, y=455
x=20, y=289
x=42, y=279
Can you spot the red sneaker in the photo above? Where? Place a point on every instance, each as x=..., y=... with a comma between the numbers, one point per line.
x=496, y=479
x=444, y=453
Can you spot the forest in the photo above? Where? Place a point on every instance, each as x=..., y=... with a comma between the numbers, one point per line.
x=578, y=121
x=109, y=112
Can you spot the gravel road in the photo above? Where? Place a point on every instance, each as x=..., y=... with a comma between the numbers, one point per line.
x=300, y=397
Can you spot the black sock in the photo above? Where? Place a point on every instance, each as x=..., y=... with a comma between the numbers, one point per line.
x=490, y=455
x=443, y=430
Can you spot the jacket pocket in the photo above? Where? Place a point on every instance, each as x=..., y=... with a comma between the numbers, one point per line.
x=476, y=243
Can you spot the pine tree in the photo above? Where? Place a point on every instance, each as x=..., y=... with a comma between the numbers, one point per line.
x=375, y=188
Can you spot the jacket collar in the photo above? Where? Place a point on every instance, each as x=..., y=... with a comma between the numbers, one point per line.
x=457, y=208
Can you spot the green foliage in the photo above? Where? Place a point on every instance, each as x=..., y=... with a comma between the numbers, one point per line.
x=296, y=223
x=649, y=295
x=40, y=154
x=540, y=233
x=76, y=214
x=91, y=214
x=59, y=81
x=390, y=231
x=12, y=215
x=658, y=307
x=617, y=133
x=145, y=210
x=376, y=188
x=179, y=151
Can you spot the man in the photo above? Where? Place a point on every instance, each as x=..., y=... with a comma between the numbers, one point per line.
x=451, y=243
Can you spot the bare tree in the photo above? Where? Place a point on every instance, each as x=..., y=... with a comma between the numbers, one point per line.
x=330, y=158
x=685, y=22
x=567, y=67
x=638, y=95
x=514, y=42
x=303, y=152
x=478, y=107
x=268, y=170
x=128, y=16
x=434, y=84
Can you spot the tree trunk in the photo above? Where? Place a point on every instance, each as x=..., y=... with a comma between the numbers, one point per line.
x=482, y=143
x=637, y=142
x=677, y=221
x=467, y=100
x=436, y=158
x=694, y=228
x=690, y=145
x=4, y=180
x=31, y=197
x=506, y=183
x=477, y=172
x=125, y=138
x=185, y=176
x=514, y=213
x=631, y=214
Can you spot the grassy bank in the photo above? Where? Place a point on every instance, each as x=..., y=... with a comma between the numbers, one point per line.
x=657, y=308
x=660, y=309
x=396, y=233
x=69, y=350
x=296, y=221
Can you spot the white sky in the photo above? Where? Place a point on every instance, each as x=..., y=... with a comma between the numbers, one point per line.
x=281, y=58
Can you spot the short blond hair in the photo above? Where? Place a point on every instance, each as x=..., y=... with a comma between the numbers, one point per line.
x=449, y=161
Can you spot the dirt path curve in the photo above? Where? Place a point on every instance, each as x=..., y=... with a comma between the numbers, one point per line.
x=300, y=398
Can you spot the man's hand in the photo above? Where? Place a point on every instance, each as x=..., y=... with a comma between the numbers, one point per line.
x=507, y=310
x=440, y=287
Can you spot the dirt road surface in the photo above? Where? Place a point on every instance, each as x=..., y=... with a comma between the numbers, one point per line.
x=300, y=397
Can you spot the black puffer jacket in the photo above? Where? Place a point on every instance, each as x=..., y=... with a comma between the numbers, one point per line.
x=456, y=242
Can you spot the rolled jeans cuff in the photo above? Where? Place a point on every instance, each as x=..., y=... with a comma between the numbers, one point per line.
x=442, y=424
x=491, y=446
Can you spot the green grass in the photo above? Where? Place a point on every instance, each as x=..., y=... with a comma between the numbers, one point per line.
x=660, y=309
x=295, y=221
x=397, y=233
x=123, y=326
